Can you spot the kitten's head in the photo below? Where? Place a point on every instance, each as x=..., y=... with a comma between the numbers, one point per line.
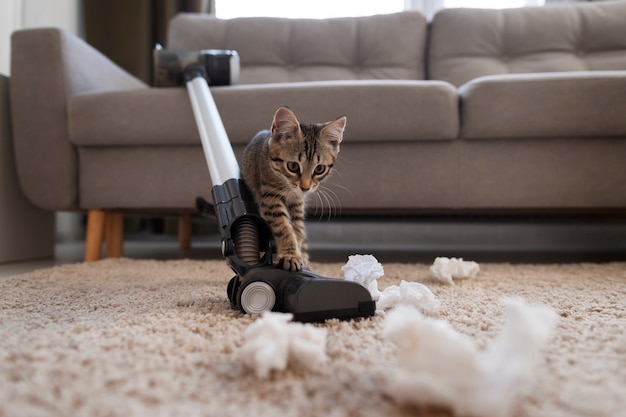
x=304, y=154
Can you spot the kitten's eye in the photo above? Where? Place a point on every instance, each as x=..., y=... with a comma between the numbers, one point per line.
x=319, y=170
x=293, y=167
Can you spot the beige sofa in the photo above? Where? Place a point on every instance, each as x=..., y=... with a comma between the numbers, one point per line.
x=476, y=110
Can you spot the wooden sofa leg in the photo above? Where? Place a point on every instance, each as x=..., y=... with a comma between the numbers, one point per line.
x=95, y=234
x=114, y=234
x=184, y=231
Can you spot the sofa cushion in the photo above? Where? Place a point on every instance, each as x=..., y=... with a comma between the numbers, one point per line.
x=574, y=104
x=286, y=50
x=469, y=43
x=376, y=110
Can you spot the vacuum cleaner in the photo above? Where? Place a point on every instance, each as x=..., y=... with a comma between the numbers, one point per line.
x=247, y=243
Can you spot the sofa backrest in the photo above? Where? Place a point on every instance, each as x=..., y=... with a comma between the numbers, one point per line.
x=468, y=43
x=290, y=50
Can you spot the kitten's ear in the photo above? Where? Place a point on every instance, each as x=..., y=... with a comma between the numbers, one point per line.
x=285, y=124
x=333, y=131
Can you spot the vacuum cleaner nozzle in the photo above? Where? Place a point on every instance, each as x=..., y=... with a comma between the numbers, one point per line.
x=306, y=295
x=221, y=66
x=261, y=286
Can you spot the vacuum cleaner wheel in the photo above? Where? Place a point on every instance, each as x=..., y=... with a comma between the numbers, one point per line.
x=257, y=297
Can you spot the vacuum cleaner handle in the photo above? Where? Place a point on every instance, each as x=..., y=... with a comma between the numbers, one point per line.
x=244, y=233
x=218, y=151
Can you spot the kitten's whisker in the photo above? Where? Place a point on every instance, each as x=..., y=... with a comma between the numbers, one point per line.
x=323, y=199
x=349, y=191
x=330, y=197
x=333, y=193
x=319, y=209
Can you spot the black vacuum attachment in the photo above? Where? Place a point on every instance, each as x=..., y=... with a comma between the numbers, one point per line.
x=247, y=242
x=260, y=286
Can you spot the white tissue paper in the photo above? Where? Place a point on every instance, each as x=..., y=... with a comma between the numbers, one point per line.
x=440, y=367
x=409, y=293
x=273, y=342
x=365, y=270
x=445, y=269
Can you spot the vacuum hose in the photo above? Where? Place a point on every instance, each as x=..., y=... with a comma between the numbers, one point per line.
x=246, y=238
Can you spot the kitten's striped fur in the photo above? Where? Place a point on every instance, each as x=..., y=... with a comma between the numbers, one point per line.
x=281, y=167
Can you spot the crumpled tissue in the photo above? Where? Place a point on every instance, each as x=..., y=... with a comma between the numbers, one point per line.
x=410, y=293
x=440, y=367
x=365, y=270
x=445, y=269
x=273, y=342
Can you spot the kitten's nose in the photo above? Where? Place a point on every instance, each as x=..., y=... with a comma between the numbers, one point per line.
x=305, y=185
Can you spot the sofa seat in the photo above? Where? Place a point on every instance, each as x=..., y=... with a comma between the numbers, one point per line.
x=139, y=113
x=555, y=104
x=158, y=161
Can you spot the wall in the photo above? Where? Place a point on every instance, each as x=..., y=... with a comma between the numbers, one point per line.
x=22, y=14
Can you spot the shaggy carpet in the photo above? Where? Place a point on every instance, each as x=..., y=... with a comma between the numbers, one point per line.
x=158, y=338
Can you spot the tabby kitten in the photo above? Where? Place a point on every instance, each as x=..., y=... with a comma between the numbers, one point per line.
x=282, y=167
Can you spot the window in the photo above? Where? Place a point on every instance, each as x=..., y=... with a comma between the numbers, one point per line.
x=318, y=9
x=492, y=4
x=321, y=9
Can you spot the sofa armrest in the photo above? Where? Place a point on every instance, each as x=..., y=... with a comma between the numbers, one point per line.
x=48, y=66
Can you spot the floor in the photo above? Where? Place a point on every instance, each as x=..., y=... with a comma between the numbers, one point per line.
x=531, y=241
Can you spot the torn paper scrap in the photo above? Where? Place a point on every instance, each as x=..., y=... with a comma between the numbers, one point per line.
x=365, y=270
x=445, y=269
x=273, y=342
x=438, y=366
x=410, y=293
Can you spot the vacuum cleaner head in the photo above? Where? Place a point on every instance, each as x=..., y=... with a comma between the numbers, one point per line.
x=221, y=66
x=261, y=286
x=308, y=296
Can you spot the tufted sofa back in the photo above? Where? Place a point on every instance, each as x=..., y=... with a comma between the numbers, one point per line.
x=289, y=50
x=469, y=43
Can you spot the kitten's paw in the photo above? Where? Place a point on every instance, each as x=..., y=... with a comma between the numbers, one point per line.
x=290, y=262
x=305, y=261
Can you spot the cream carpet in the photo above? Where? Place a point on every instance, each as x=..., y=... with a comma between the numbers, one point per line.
x=158, y=338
